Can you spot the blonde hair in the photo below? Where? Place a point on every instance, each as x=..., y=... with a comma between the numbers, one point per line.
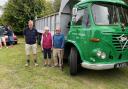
x=46, y=28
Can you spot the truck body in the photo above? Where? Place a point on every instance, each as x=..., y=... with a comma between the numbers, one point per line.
x=96, y=33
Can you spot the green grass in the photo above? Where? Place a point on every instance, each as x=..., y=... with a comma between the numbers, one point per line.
x=13, y=74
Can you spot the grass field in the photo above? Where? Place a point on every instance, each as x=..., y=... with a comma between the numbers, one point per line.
x=13, y=74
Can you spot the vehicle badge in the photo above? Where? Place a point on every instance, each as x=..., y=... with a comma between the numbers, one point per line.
x=123, y=40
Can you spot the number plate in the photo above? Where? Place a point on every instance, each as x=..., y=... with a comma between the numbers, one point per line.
x=121, y=65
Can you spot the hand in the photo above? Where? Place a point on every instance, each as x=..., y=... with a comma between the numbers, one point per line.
x=41, y=48
x=51, y=49
x=61, y=49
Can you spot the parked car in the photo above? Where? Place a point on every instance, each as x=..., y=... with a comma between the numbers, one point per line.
x=6, y=37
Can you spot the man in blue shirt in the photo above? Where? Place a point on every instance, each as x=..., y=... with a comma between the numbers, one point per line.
x=30, y=34
x=58, y=47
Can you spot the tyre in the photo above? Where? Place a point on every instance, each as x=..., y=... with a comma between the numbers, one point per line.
x=73, y=61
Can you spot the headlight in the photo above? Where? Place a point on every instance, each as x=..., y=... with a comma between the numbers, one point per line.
x=103, y=55
x=99, y=53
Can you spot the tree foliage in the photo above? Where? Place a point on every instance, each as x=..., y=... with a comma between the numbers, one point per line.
x=56, y=5
x=18, y=12
x=48, y=9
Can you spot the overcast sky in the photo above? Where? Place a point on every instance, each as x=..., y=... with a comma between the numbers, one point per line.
x=2, y=3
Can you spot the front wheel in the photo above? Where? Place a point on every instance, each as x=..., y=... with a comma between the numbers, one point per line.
x=73, y=61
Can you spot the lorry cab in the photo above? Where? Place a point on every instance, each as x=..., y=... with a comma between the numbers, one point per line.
x=98, y=35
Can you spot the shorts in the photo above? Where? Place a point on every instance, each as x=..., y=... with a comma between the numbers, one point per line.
x=2, y=39
x=32, y=47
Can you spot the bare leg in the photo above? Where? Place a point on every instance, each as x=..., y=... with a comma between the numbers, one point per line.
x=5, y=44
x=27, y=60
x=45, y=62
x=0, y=45
x=35, y=59
x=4, y=41
x=49, y=62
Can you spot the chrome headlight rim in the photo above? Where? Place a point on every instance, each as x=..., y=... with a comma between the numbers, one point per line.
x=101, y=54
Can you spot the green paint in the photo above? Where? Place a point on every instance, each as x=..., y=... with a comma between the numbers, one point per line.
x=108, y=34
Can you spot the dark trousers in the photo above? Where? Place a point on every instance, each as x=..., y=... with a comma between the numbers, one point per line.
x=10, y=40
x=47, y=53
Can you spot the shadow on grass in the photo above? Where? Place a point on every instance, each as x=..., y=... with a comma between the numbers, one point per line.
x=108, y=74
x=100, y=72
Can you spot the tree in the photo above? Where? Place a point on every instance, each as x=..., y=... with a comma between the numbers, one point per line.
x=56, y=5
x=47, y=10
x=18, y=12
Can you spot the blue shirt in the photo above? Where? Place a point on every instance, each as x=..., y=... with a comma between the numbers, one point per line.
x=10, y=33
x=1, y=32
x=58, y=41
x=30, y=35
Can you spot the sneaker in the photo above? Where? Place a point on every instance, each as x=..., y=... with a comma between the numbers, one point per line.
x=55, y=66
x=26, y=65
x=36, y=64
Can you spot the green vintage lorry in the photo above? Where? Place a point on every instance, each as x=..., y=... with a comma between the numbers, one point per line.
x=96, y=34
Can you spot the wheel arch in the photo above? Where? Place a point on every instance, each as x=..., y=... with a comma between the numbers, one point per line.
x=68, y=46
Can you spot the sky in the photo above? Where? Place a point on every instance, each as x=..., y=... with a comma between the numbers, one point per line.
x=2, y=3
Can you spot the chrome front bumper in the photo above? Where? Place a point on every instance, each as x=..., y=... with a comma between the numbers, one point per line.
x=97, y=66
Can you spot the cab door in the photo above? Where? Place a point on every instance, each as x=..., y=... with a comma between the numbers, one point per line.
x=82, y=27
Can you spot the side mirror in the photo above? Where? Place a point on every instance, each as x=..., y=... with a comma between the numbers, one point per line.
x=74, y=11
x=74, y=19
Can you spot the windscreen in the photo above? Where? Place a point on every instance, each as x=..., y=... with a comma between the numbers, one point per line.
x=107, y=14
x=104, y=14
x=123, y=14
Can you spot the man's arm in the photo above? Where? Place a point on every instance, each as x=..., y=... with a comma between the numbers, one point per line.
x=23, y=31
x=53, y=41
x=63, y=39
x=36, y=32
x=41, y=42
x=36, y=35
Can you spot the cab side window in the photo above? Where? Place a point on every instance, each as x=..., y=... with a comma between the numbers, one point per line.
x=86, y=21
x=82, y=18
x=79, y=17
